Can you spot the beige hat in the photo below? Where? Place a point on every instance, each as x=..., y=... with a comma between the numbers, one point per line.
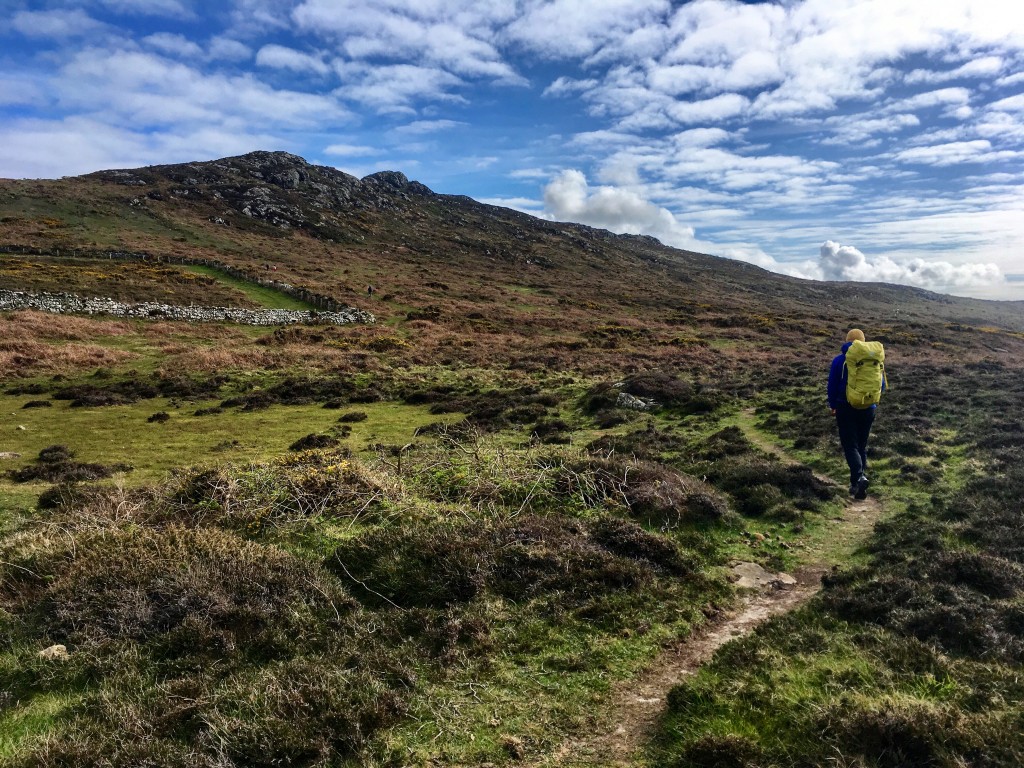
x=855, y=335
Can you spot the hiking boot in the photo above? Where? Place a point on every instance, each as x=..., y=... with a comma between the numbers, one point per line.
x=853, y=489
x=861, y=489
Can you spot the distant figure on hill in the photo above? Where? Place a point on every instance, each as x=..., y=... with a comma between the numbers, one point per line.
x=856, y=381
x=369, y=291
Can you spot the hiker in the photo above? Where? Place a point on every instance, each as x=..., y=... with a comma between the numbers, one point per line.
x=369, y=291
x=856, y=381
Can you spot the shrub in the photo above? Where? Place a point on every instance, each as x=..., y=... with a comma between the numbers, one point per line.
x=55, y=465
x=765, y=486
x=137, y=584
x=651, y=492
x=313, y=441
x=352, y=417
x=295, y=487
x=444, y=565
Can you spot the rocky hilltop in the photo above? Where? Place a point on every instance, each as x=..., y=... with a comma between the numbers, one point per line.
x=331, y=233
x=278, y=188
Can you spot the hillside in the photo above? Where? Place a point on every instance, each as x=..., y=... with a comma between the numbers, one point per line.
x=329, y=231
x=505, y=524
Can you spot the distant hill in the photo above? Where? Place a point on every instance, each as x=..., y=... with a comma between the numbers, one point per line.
x=331, y=232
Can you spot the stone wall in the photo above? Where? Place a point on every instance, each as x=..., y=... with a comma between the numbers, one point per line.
x=252, y=275
x=67, y=303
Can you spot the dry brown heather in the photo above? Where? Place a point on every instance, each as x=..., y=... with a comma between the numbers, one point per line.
x=123, y=281
x=468, y=600
x=457, y=284
x=25, y=358
x=468, y=284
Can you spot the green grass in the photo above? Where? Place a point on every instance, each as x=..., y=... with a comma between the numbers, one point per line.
x=31, y=720
x=265, y=296
x=114, y=434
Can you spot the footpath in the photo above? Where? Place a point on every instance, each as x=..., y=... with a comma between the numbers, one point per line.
x=631, y=716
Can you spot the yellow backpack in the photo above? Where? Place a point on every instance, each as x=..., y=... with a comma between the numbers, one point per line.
x=865, y=373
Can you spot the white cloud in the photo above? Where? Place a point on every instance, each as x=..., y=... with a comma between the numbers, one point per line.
x=396, y=87
x=22, y=90
x=530, y=173
x=564, y=29
x=566, y=86
x=173, y=8
x=428, y=126
x=1009, y=104
x=844, y=262
x=953, y=153
x=456, y=36
x=228, y=49
x=53, y=148
x=942, y=97
x=350, y=150
x=568, y=197
x=173, y=45
x=140, y=89
x=854, y=129
x=723, y=107
x=280, y=57
x=59, y=25
x=1010, y=80
x=984, y=67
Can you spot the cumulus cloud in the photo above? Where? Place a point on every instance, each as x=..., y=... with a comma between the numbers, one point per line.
x=857, y=129
x=1009, y=104
x=846, y=263
x=568, y=197
x=720, y=107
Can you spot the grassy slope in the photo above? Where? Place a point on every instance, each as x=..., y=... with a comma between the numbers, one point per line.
x=911, y=655
x=487, y=575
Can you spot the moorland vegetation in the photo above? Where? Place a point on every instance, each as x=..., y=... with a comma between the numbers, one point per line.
x=445, y=538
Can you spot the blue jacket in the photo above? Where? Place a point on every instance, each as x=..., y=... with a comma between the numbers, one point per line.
x=837, y=380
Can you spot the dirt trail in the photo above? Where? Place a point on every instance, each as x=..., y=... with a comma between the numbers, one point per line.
x=636, y=705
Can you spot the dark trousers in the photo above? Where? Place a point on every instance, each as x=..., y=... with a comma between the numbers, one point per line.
x=854, y=427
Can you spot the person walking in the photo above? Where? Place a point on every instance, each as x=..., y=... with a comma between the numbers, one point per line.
x=856, y=381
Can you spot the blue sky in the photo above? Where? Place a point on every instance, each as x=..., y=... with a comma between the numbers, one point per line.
x=832, y=139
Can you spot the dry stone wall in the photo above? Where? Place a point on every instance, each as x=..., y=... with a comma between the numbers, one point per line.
x=252, y=275
x=68, y=303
